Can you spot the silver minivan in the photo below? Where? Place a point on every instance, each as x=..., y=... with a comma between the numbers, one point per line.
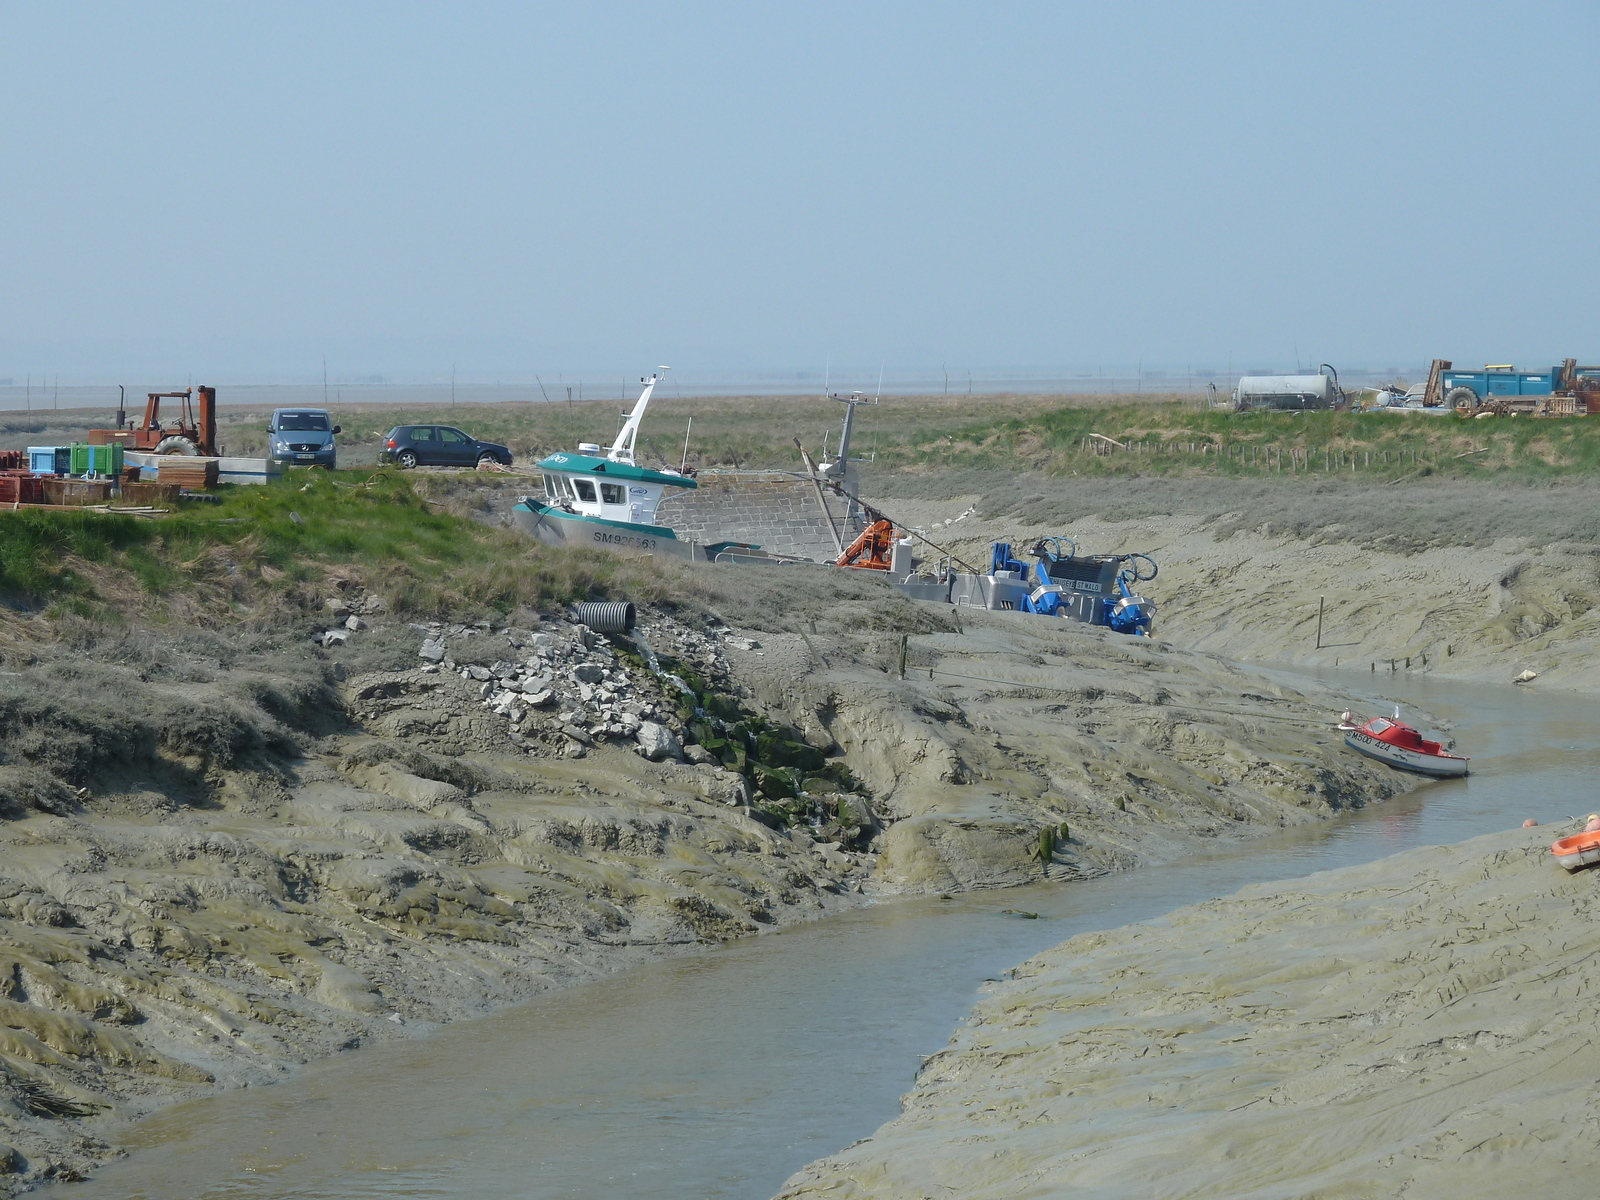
x=302, y=437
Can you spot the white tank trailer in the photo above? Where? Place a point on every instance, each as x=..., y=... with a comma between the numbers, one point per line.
x=1289, y=391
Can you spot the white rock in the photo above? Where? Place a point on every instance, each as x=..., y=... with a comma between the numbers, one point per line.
x=432, y=650
x=336, y=637
x=541, y=698
x=657, y=742
x=354, y=623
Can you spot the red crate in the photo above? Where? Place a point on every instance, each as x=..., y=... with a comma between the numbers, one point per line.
x=21, y=487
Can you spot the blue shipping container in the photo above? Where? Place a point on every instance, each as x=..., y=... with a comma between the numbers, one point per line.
x=50, y=460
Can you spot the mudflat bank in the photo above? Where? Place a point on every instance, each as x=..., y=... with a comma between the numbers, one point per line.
x=234, y=849
x=1417, y=1026
x=1460, y=581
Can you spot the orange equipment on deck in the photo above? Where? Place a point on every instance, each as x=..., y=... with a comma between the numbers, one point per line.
x=870, y=551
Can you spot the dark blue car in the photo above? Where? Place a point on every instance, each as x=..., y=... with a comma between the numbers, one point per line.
x=439, y=446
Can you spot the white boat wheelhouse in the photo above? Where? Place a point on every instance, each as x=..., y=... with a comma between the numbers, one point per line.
x=610, y=488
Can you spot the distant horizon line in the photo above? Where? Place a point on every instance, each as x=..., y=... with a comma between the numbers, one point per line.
x=765, y=382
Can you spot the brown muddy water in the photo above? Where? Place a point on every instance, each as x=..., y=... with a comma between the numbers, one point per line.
x=720, y=1074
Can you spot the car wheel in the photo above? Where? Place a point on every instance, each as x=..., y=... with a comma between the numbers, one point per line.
x=487, y=460
x=407, y=459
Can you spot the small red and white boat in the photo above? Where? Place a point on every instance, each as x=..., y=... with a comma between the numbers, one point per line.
x=1399, y=745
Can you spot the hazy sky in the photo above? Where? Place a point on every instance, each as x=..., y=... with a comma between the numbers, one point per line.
x=234, y=190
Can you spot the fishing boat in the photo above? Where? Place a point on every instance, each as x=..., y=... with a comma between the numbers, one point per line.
x=1394, y=742
x=1579, y=850
x=602, y=498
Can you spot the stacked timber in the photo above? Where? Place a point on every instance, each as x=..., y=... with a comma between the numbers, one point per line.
x=190, y=474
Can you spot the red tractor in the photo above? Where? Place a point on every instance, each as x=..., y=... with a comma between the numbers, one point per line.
x=193, y=431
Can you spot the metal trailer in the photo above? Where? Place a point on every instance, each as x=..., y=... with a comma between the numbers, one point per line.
x=1565, y=390
x=1289, y=392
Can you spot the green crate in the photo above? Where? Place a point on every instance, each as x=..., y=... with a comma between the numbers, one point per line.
x=97, y=460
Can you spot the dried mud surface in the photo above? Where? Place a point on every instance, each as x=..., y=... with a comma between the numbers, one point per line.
x=1420, y=1026
x=227, y=853
x=1487, y=612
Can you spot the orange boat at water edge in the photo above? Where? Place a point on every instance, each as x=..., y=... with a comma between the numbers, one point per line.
x=1579, y=850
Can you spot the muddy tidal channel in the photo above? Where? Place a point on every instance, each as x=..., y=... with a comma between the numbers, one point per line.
x=721, y=1074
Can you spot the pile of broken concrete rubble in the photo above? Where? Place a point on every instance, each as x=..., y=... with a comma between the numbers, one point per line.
x=571, y=684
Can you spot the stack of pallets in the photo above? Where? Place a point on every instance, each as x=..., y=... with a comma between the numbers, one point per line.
x=190, y=474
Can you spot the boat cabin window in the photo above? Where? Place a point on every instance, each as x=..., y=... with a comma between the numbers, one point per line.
x=555, y=487
x=585, y=489
x=613, y=493
x=1379, y=725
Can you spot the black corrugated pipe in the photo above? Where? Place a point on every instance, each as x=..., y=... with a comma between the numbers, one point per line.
x=606, y=616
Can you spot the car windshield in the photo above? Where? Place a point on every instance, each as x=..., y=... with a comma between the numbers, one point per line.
x=303, y=421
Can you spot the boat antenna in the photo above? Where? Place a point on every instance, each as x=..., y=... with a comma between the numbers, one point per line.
x=622, y=449
x=1396, y=712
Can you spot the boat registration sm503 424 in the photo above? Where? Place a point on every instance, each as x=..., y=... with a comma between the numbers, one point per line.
x=1397, y=744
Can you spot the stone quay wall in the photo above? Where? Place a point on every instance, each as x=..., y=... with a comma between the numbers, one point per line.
x=775, y=510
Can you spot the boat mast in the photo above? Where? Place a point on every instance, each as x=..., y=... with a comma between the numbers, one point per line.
x=622, y=449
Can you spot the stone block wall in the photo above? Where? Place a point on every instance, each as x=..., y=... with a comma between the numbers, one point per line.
x=776, y=510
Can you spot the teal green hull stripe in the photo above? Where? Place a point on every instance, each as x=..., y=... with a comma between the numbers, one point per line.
x=561, y=514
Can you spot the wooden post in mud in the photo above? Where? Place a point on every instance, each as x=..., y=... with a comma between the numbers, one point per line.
x=1320, y=601
x=903, y=638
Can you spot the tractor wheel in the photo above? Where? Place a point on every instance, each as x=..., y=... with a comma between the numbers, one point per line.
x=1462, y=399
x=176, y=445
x=407, y=459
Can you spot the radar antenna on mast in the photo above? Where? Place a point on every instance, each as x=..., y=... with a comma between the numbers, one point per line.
x=841, y=463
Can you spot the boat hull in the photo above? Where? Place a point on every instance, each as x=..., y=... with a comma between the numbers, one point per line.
x=1437, y=766
x=1580, y=850
x=556, y=527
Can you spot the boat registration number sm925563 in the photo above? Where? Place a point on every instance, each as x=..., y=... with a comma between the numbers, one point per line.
x=606, y=538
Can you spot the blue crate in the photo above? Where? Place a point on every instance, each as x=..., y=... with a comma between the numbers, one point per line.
x=50, y=460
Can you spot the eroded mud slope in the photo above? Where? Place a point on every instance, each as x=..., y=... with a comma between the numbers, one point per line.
x=1418, y=1027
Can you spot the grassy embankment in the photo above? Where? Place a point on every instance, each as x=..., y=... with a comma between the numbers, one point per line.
x=268, y=553
x=262, y=545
